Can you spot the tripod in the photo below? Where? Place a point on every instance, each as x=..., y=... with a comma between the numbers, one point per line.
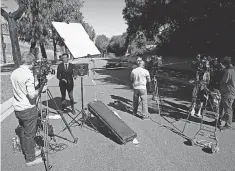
x=156, y=95
x=45, y=144
x=48, y=93
x=155, y=92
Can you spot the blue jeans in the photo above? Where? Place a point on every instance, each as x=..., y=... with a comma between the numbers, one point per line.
x=142, y=94
x=28, y=123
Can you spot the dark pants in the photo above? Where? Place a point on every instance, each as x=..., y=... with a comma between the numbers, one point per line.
x=227, y=110
x=142, y=94
x=28, y=123
x=69, y=88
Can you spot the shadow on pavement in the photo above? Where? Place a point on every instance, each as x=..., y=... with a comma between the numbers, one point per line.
x=125, y=105
x=55, y=103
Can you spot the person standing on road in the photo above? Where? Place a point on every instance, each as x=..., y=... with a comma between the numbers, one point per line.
x=227, y=89
x=65, y=75
x=139, y=79
x=24, y=104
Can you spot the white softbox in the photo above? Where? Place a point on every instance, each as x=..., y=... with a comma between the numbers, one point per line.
x=76, y=39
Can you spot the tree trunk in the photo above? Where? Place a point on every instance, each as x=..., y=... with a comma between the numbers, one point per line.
x=32, y=46
x=43, y=50
x=14, y=41
x=55, y=49
x=3, y=46
x=12, y=18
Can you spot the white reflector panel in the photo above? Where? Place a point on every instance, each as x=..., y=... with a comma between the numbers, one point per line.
x=76, y=39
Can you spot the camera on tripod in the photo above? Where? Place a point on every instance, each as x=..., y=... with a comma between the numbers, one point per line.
x=42, y=69
x=202, y=63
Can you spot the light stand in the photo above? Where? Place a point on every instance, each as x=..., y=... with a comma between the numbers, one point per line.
x=85, y=116
x=156, y=94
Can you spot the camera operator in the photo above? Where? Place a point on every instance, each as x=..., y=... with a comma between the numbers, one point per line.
x=24, y=104
x=227, y=89
x=65, y=74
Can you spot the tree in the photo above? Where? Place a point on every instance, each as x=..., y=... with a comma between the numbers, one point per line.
x=194, y=26
x=33, y=27
x=36, y=26
x=102, y=43
x=12, y=19
x=118, y=45
x=90, y=30
x=69, y=11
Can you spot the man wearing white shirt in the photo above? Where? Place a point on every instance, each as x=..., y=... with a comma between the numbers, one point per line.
x=24, y=104
x=139, y=79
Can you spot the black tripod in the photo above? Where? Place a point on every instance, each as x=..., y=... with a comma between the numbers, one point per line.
x=61, y=115
x=85, y=116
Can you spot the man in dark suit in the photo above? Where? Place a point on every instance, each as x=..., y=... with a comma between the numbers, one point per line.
x=65, y=74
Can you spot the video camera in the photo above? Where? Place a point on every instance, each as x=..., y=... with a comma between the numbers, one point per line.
x=204, y=63
x=41, y=69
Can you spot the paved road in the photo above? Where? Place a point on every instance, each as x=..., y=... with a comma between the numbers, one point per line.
x=160, y=147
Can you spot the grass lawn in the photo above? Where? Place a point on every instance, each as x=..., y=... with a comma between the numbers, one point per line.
x=6, y=88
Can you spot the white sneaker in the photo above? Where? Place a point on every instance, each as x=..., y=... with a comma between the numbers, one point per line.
x=192, y=112
x=36, y=161
x=37, y=153
x=198, y=114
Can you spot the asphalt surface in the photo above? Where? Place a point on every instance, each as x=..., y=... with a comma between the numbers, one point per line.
x=161, y=145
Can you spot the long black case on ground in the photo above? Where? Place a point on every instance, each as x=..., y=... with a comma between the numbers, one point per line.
x=117, y=126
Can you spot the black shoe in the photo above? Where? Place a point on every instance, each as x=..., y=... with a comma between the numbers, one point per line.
x=219, y=124
x=73, y=111
x=225, y=127
x=63, y=107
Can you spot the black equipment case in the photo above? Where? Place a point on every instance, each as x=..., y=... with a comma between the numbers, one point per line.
x=117, y=126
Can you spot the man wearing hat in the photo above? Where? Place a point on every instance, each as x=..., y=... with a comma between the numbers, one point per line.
x=227, y=89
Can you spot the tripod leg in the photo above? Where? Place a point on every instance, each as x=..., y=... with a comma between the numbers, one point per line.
x=193, y=104
x=61, y=115
x=45, y=161
x=70, y=131
x=55, y=135
x=73, y=121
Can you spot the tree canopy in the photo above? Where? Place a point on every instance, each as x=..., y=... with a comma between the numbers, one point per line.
x=194, y=26
x=118, y=44
x=102, y=42
x=36, y=25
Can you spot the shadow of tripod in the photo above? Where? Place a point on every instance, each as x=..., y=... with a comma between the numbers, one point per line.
x=48, y=93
